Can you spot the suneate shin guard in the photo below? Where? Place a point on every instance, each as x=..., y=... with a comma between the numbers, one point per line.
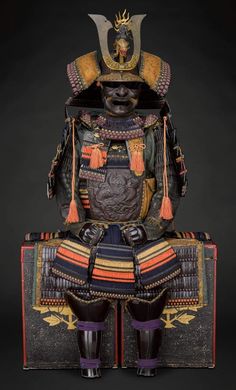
x=91, y=315
x=145, y=319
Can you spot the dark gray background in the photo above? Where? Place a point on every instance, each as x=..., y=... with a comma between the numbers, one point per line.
x=38, y=39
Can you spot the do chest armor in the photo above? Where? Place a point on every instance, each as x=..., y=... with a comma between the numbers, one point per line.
x=117, y=188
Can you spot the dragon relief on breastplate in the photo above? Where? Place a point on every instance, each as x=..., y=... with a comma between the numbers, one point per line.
x=118, y=198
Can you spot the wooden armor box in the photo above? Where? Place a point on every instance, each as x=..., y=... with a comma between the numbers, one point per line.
x=49, y=327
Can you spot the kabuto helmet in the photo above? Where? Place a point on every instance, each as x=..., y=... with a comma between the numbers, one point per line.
x=125, y=63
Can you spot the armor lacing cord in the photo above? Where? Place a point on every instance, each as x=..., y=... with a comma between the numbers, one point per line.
x=166, y=206
x=73, y=215
x=147, y=325
x=137, y=273
x=90, y=363
x=90, y=325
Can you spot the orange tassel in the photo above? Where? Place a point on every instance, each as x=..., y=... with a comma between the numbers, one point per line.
x=166, y=205
x=137, y=163
x=96, y=160
x=133, y=160
x=166, y=208
x=73, y=215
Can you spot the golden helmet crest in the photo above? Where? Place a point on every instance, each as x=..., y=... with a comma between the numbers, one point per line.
x=125, y=62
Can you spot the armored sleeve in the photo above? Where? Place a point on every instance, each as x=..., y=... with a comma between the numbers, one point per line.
x=154, y=225
x=60, y=175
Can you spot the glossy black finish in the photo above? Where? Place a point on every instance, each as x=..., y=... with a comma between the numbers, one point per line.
x=145, y=310
x=91, y=233
x=88, y=310
x=89, y=341
x=134, y=235
x=91, y=373
x=89, y=345
x=148, y=341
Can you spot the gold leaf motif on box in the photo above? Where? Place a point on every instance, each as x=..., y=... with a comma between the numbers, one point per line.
x=185, y=318
x=172, y=315
x=59, y=315
x=52, y=320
